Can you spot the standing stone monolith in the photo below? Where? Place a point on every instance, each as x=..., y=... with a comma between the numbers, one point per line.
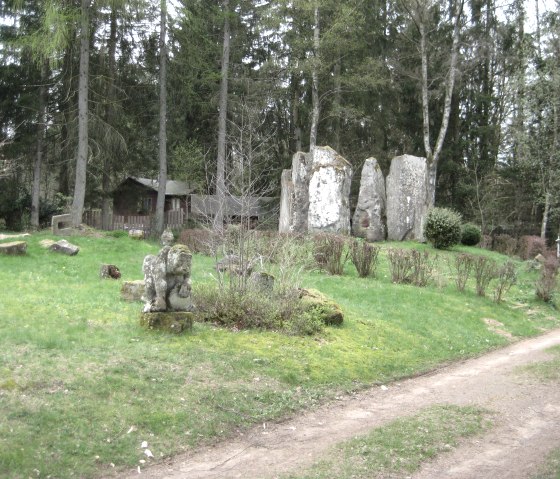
x=369, y=220
x=320, y=192
x=329, y=192
x=406, y=198
x=286, y=200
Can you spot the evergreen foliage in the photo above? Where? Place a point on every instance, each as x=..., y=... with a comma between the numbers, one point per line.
x=470, y=235
x=443, y=228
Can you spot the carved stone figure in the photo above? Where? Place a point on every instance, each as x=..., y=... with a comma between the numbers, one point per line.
x=167, y=277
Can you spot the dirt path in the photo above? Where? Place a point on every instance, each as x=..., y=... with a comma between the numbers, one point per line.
x=527, y=424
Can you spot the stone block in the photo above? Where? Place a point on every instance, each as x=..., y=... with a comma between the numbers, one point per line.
x=133, y=290
x=13, y=248
x=136, y=234
x=61, y=224
x=170, y=321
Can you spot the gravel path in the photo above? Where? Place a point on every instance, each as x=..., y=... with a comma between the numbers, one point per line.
x=527, y=424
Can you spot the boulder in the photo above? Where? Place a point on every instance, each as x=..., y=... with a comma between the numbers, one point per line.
x=133, y=290
x=286, y=200
x=13, y=248
x=262, y=281
x=46, y=243
x=64, y=247
x=369, y=219
x=316, y=302
x=406, y=198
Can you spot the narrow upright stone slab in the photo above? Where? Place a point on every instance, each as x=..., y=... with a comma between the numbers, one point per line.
x=13, y=248
x=329, y=192
x=301, y=171
x=369, y=219
x=406, y=198
x=286, y=201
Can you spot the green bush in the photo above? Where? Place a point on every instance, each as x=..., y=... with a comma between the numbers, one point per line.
x=443, y=228
x=470, y=235
x=117, y=234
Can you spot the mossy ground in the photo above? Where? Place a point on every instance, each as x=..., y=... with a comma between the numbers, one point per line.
x=82, y=384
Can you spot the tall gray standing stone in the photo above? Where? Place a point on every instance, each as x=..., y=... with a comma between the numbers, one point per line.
x=301, y=171
x=329, y=192
x=370, y=214
x=406, y=198
x=286, y=201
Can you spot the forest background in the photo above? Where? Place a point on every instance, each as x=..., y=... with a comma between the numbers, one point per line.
x=222, y=93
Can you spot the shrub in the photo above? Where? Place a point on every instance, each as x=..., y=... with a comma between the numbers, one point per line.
x=484, y=272
x=507, y=275
x=117, y=234
x=328, y=251
x=443, y=228
x=531, y=246
x=365, y=257
x=546, y=284
x=470, y=235
x=410, y=266
x=463, y=267
x=504, y=244
x=201, y=241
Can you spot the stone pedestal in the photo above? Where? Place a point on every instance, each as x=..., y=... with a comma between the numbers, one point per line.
x=170, y=321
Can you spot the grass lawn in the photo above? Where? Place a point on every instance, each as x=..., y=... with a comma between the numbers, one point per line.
x=82, y=385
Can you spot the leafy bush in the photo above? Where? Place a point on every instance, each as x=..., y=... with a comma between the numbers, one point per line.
x=329, y=252
x=470, y=235
x=546, y=284
x=364, y=257
x=531, y=246
x=443, y=227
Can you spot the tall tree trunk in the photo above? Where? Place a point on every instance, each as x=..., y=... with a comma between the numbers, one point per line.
x=81, y=161
x=296, y=127
x=315, y=82
x=106, y=201
x=432, y=156
x=41, y=131
x=337, y=102
x=162, y=178
x=222, y=119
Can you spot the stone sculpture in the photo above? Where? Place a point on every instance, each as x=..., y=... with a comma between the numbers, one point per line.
x=167, y=296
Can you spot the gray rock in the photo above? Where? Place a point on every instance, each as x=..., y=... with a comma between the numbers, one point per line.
x=406, y=198
x=64, y=247
x=136, y=234
x=369, y=220
x=286, y=200
x=13, y=248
